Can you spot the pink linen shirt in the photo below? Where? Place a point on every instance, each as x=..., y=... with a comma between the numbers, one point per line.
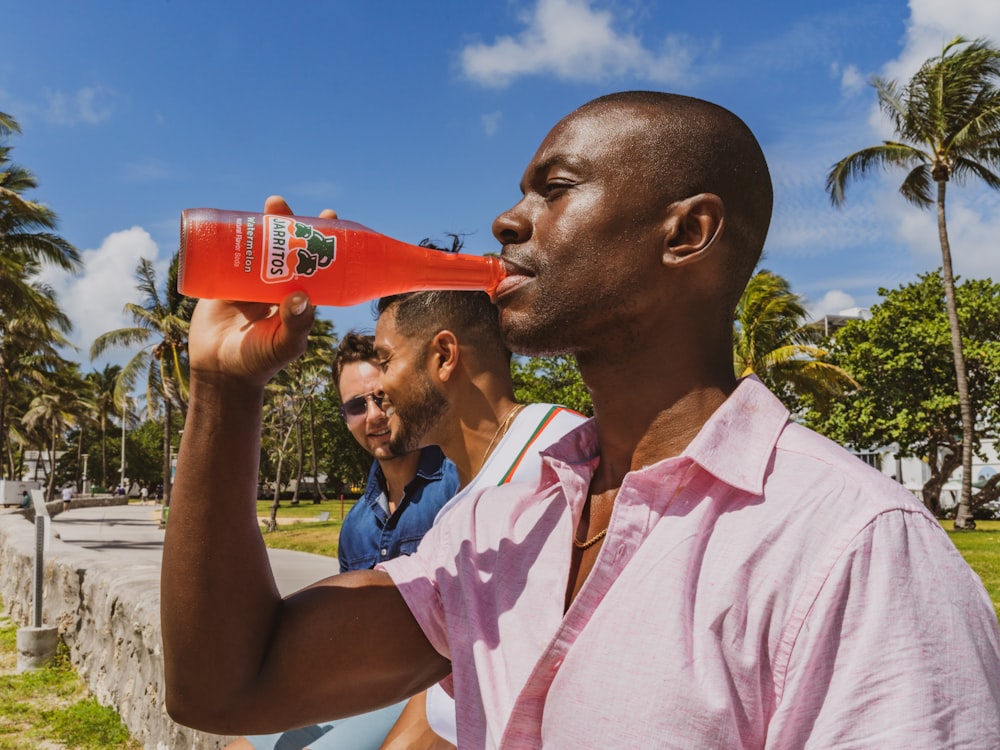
x=764, y=589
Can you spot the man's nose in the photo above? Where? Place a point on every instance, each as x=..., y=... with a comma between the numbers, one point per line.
x=512, y=227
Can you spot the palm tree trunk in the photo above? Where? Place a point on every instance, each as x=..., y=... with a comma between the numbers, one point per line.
x=104, y=451
x=51, y=492
x=167, y=414
x=79, y=462
x=963, y=516
x=7, y=459
x=315, y=460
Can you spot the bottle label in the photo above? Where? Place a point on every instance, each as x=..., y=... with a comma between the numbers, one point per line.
x=293, y=248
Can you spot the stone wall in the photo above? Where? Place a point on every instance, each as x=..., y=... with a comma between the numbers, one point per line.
x=109, y=617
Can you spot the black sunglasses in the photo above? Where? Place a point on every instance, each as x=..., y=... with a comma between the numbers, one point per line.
x=357, y=407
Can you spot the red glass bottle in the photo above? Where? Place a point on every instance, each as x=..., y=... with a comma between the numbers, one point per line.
x=254, y=257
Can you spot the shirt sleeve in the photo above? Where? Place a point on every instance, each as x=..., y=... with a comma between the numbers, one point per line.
x=900, y=649
x=417, y=577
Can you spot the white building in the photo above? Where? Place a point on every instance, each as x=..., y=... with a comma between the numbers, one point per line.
x=913, y=473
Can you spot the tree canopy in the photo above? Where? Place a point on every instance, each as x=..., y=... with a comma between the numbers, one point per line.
x=901, y=359
x=947, y=125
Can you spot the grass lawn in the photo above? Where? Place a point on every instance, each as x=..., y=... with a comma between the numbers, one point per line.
x=50, y=707
x=299, y=529
x=981, y=549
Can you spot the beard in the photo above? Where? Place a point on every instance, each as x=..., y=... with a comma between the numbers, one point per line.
x=421, y=410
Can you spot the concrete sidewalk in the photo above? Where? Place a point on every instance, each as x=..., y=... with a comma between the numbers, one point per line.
x=131, y=534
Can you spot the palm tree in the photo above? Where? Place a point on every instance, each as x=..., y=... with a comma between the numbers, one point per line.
x=54, y=410
x=103, y=384
x=772, y=340
x=25, y=225
x=947, y=121
x=29, y=341
x=161, y=327
x=31, y=323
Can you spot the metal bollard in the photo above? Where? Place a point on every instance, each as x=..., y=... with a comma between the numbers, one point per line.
x=36, y=645
x=36, y=608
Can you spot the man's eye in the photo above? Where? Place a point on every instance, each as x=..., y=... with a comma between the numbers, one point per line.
x=556, y=187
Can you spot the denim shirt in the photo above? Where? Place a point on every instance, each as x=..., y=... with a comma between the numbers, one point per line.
x=370, y=536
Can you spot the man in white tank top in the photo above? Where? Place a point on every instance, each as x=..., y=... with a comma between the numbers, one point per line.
x=447, y=382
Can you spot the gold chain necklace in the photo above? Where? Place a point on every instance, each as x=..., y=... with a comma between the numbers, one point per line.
x=502, y=428
x=592, y=541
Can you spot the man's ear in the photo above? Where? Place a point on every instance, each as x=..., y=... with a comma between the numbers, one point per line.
x=692, y=225
x=443, y=353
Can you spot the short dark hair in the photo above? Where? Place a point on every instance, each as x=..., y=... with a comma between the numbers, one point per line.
x=470, y=315
x=354, y=347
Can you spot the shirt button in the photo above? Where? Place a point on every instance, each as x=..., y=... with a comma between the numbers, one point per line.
x=384, y=552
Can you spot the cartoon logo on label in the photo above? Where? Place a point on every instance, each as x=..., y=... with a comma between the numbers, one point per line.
x=295, y=249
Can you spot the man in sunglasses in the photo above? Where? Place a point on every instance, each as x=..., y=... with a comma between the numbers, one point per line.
x=403, y=494
x=405, y=489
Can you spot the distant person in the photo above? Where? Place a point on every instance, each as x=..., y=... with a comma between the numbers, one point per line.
x=67, y=496
x=693, y=568
x=25, y=499
x=403, y=494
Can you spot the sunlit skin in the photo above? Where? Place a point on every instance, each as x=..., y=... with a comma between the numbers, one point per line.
x=608, y=272
x=372, y=430
x=605, y=270
x=412, y=403
x=437, y=394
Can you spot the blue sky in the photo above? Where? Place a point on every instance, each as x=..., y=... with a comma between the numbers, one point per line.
x=417, y=120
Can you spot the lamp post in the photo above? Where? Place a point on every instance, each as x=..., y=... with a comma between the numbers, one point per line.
x=124, y=420
x=83, y=482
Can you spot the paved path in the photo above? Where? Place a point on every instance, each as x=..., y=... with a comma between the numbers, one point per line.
x=131, y=533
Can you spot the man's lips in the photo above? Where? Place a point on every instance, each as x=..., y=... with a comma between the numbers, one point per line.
x=517, y=275
x=380, y=435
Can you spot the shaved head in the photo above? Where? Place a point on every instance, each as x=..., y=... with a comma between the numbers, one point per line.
x=691, y=146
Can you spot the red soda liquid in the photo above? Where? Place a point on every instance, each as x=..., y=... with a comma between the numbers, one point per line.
x=251, y=257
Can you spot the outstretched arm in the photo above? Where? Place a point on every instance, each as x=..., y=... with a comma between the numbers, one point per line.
x=234, y=650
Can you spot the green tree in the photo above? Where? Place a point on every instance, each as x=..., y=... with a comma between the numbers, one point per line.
x=551, y=380
x=902, y=360
x=31, y=323
x=772, y=340
x=289, y=406
x=342, y=460
x=103, y=385
x=160, y=327
x=947, y=121
x=58, y=407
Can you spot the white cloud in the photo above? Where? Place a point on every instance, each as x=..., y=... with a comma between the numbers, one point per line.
x=834, y=302
x=575, y=42
x=491, y=122
x=90, y=105
x=94, y=300
x=933, y=23
x=852, y=82
x=973, y=233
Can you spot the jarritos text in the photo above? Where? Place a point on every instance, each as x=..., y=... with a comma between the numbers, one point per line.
x=292, y=248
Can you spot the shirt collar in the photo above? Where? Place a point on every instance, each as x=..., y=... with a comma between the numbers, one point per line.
x=735, y=445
